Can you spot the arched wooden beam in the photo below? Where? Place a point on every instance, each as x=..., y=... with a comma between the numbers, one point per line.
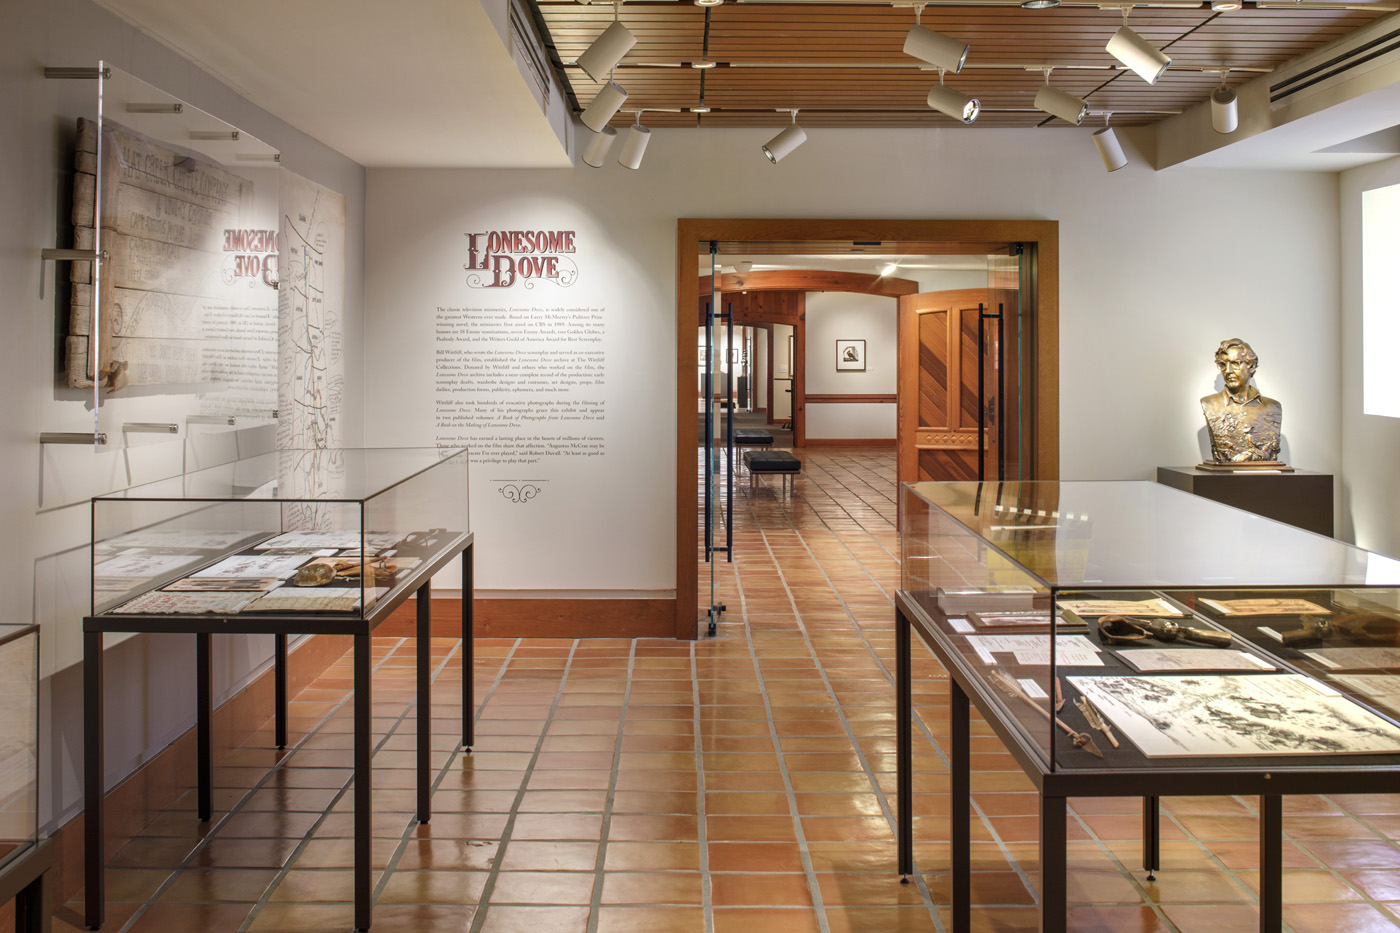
x=811, y=280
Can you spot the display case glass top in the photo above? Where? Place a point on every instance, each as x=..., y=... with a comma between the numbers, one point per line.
x=1130, y=626
x=286, y=533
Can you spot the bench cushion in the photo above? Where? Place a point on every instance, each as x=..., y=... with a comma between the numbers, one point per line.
x=771, y=461
x=753, y=438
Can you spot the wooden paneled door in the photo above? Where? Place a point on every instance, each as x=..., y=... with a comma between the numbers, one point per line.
x=938, y=385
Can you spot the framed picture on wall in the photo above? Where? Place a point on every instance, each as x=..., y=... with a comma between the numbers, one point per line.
x=850, y=356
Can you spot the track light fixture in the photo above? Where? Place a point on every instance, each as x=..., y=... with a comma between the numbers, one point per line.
x=786, y=141
x=935, y=48
x=596, y=152
x=1136, y=53
x=604, y=106
x=1057, y=103
x=635, y=145
x=1224, y=106
x=1109, y=149
x=947, y=101
x=1039, y=4
x=607, y=50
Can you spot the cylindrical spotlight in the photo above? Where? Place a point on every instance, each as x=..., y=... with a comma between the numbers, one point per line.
x=596, y=152
x=1224, y=110
x=1138, y=54
x=606, y=51
x=786, y=141
x=936, y=49
x=634, y=146
x=1057, y=103
x=603, y=107
x=960, y=107
x=1109, y=150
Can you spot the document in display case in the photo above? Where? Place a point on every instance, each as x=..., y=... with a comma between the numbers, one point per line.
x=1217, y=651
x=324, y=541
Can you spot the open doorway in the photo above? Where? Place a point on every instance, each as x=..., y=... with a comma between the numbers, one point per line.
x=752, y=293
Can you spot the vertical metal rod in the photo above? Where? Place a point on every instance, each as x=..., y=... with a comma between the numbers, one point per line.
x=960, y=804
x=1001, y=392
x=1053, y=862
x=94, y=791
x=279, y=667
x=425, y=700
x=1151, y=836
x=904, y=731
x=729, y=435
x=32, y=908
x=981, y=395
x=363, y=798
x=468, y=649
x=1270, y=863
x=204, y=715
x=709, y=426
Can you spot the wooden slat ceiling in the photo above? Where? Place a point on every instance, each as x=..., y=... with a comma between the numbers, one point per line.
x=843, y=65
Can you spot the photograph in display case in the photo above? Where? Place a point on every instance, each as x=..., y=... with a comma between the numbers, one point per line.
x=850, y=356
x=1197, y=716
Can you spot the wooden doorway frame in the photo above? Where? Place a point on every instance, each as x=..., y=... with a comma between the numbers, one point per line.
x=691, y=232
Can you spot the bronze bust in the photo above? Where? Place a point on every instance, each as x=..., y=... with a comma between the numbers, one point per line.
x=1244, y=426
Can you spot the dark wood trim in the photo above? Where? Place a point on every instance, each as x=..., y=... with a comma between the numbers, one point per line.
x=542, y=618
x=799, y=378
x=850, y=442
x=1043, y=235
x=852, y=399
x=154, y=787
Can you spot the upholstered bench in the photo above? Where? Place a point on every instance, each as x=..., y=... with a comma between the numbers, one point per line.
x=778, y=462
x=753, y=439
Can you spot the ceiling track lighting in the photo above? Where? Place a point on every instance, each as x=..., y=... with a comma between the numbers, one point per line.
x=786, y=141
x=1110, y=150
x=940, y=51
x=1224, y=107
x=596, y=152
x=951, y=103
x=1039, y=4
x=1057, y=103
x=708, y=2
x=1136, y=53
x=635, y=145
x=604, y=106
x=1225, y=6
x=607, y=50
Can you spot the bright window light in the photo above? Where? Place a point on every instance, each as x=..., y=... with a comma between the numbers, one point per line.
x=1380, y=300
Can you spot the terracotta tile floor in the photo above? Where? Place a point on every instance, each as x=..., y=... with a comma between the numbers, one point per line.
x=742, y=783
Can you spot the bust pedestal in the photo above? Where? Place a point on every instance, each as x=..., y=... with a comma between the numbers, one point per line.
x=1302, y=498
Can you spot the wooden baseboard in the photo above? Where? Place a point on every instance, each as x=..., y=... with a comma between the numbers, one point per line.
x=543, y=618
x=156, y=785
x=850, y=442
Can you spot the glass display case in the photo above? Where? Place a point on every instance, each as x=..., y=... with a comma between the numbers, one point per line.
x=1129, y=639
x=1185, y=631
x=302, y=532
x=19, y=741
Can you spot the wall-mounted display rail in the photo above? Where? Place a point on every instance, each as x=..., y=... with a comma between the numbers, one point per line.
x=327, y=541
x=1130, y=639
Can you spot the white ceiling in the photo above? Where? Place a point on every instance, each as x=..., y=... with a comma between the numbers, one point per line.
x=411, y=83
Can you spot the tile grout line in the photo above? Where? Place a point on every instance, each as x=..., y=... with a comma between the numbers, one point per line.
x=483, y=902
x=701, y=814
x=596, y=900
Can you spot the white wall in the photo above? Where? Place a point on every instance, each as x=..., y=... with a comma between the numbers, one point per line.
x=833, y=316
x=1370, y=444
x=760, y=367
x=150, y=681
x=782, y=366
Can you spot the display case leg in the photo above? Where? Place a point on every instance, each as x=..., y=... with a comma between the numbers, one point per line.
x=94, y=898
x=904, y=768
x=279, y=668
x=1053, y=862
x=204, y=714
x=425, y=700
x=1151, y=836
x=468, y=649
x=32, y=911
x=363, y=797
x=1271, y=863
x=960, y=800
